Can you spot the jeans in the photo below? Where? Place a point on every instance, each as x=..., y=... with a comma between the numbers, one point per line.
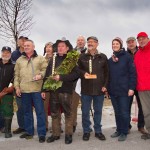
x=141, y=122
x=28, y=100
x=20, y=113
x=121, y=109
x=86, y=101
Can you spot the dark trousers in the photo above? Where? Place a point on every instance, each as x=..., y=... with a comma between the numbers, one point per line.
x=64, y=100
x=141, y=122
x=121, y=109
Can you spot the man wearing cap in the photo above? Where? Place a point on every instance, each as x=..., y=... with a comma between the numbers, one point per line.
x=63, y=95
x=132, y=49
x=93, y=67
x=29, y=72
x=6, y=89
x=15, y=55
x=142, y=64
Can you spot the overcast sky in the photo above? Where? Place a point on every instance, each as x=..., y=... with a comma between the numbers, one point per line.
x=105, y=19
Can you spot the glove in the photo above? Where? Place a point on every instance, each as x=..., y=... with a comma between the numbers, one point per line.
x=8, y=90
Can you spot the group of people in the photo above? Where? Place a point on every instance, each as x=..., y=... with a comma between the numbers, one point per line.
x=23, y=73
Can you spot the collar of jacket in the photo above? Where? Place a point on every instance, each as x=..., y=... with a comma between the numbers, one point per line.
x=120, y=53
x=146, y=47
x=34, y=54
x=9, y=62
x=88, y=53
x=81, y=50
x=129, y=51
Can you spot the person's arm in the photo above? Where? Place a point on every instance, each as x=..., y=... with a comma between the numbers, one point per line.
x=17, y=79
x=106, y=73
x=132, y=76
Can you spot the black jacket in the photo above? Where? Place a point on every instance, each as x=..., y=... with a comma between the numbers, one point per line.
x=6, y=74
x=99, y=67
x=67, y=86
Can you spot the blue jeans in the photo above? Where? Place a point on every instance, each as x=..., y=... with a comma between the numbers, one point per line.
x=86, y=101
x=122, y=116
x=28, y=100
x=20, y=113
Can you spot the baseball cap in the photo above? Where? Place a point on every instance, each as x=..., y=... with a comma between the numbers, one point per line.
x=142, y=34
x=6, y=48
x=131, y=38
x=92, y=37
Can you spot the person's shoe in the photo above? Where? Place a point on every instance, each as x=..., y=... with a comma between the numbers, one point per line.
x=52, y=138
x=41, y=139
x=145, y=136
x=68, y=139
x=18, y=131
x=74, y=128
x=114, y=135
x=122, y=137
x=86, y=136
x=26, y=136
x=142, y=130
x=100, y=136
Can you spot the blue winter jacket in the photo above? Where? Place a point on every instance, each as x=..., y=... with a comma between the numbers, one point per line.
x=122, y=74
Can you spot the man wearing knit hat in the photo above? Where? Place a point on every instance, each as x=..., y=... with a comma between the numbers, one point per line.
x=142, y=63
x=132, y=49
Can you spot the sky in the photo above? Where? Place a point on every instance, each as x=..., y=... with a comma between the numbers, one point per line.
x=105, y=19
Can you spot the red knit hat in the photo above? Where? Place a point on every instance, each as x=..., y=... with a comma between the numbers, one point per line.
x=142, y=34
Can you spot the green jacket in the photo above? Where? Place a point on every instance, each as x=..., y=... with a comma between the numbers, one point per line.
x=26, y=69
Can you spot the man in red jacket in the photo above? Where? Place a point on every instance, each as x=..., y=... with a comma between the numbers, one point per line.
x=142, y=63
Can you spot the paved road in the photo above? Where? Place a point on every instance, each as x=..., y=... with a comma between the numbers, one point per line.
x=133, y=142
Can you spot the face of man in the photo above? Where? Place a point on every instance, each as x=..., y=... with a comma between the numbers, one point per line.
x=62, y=48
x=116, y=46
x=6, y=55
x=131, y=45
x=143, y=41
x=92, y=45
x=81, y=42
x=29, y=47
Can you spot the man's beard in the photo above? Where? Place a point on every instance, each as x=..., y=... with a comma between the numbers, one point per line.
x=6, y=58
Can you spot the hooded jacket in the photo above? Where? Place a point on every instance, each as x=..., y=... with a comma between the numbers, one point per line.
x=6, y=74
x=122, y=74
x=142, y=64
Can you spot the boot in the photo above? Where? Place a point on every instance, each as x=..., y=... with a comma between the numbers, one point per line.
x=8, y=122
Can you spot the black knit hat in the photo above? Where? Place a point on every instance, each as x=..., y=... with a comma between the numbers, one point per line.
x=55, y=45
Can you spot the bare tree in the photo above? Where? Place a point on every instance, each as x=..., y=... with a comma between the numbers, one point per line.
x=15, y=19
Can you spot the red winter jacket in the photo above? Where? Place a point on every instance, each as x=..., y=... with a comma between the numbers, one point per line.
x=142, y=64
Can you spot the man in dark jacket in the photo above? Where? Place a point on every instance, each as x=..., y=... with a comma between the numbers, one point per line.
x=61, y=96
x=132, y=49
x=15, y=55
x=6, y=89
x=93, y=86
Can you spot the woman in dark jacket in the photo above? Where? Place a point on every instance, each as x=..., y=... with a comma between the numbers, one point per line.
x=122, y=82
